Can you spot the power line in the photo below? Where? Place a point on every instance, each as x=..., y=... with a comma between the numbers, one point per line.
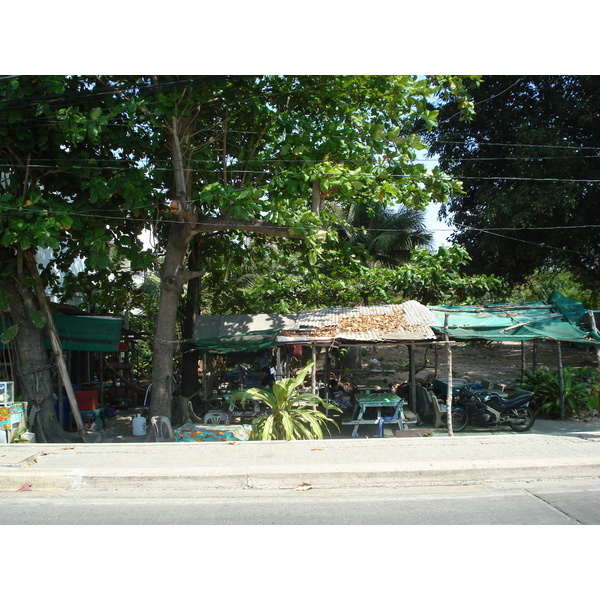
x=355, y=177
x=529, y=242
x=120, y=217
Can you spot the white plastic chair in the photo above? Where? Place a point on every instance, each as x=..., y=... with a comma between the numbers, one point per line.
x=439, y=409
x=160, y=426
x=216, y=418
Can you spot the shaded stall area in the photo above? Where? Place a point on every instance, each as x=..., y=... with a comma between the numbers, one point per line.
x=236, y=347
x=98, y=355
x=559, y=320
x=287, y=342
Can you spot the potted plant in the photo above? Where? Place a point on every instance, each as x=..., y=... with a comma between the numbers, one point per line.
x=293, y=415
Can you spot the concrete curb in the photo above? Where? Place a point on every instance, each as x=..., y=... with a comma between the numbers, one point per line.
x=558, y=451
x=318, y=476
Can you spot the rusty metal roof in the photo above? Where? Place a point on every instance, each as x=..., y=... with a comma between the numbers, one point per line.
x=406, y=322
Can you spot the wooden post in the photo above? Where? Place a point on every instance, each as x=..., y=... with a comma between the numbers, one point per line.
x=313, y=382
x=412, y=378
x=536, y=344
x=595, y=330
x=522, y=358
x=205, y=377
x=101, y=387
x=279, y=374
x=327, y=374
x=561, y=380
x=449, y=390
x=55, y=342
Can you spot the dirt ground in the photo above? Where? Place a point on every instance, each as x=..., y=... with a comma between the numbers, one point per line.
x=499, y=362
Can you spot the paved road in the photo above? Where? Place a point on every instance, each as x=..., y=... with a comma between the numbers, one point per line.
x=548, y=503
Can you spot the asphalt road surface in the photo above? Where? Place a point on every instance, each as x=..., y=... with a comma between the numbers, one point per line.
x=572, y=502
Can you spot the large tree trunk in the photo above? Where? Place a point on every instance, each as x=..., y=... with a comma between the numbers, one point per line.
x=173, y=277
x=191, y=356
x=34, y=366
x=174, y=274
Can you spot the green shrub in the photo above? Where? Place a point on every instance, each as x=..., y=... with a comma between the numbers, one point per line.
x=293, y=415
x=581, y=390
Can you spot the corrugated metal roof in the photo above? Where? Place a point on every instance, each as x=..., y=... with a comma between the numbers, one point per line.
x=395, y=323
x=410, y=321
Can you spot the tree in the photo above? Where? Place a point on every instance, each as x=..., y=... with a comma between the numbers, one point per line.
x=60, y=138
x=92, y=160
x=257, y=154
x=528, y=162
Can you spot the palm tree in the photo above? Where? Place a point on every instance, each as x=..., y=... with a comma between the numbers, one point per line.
x=388, y=235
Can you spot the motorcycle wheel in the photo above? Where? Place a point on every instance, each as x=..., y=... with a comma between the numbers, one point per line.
x=525, y=415
x=459, y=419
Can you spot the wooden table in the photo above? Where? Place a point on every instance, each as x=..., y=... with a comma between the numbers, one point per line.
x=377, y=402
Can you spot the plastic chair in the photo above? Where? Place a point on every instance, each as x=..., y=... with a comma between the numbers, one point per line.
x=161, y=425
x=398, y=417
x=216, y=418
x=440, y=413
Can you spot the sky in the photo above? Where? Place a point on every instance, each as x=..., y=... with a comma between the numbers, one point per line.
x=440, y=230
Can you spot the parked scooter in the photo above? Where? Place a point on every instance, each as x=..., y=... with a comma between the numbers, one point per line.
x=482, y=408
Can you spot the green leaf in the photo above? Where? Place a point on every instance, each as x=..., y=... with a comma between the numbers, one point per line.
x=104, y=191
x=67, y=221
x=37, y=318
x=9, y=334
x=377, y=131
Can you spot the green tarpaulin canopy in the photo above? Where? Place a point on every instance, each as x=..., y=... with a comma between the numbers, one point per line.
x=246, y=343
x=561, y=320
x=86, y=333
x=226, y=334
x=90, y=334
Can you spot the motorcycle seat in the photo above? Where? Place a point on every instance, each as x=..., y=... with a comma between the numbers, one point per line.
x=516, y=400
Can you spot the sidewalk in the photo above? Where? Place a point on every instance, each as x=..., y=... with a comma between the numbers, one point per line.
x=551, y=450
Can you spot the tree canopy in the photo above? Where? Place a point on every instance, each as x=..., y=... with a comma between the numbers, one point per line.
x=210, y=164
x=529, y=165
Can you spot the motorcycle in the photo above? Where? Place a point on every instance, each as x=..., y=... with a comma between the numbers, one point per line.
x=483, y=408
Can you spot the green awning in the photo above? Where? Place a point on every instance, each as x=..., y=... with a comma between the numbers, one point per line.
x=256, y=341
x=87, y=333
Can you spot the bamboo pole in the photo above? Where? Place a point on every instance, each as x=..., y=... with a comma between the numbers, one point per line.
x=595, y=330
x=561, y=381
x=205, y=377
x=449, y=390
x=313, y=379
x=412, y=378
x=279, y=374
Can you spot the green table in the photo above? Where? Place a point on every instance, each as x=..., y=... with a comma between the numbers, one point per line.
x=376, y=401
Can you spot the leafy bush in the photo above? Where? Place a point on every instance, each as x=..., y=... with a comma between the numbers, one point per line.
x=293, y=415
x=581, y=390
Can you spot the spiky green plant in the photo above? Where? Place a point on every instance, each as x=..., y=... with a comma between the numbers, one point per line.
x=293, y=415
x=581, y=390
